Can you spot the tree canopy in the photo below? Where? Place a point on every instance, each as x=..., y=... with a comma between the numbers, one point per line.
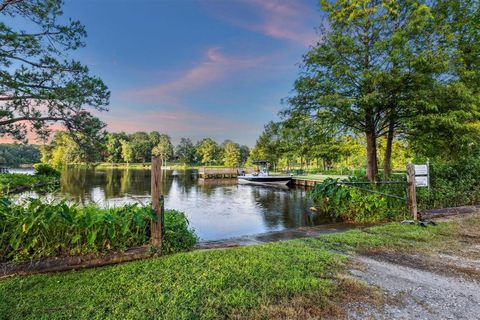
x=39, y=83
x=385, y=68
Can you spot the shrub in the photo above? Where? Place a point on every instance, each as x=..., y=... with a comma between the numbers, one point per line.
x=11, y=181
x=330, y=197
x=34, y=229
x=452, y=184
x=364, y=204
x=178, y=236
x=45, y=169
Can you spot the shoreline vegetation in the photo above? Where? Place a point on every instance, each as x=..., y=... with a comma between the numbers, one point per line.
x=19, y=182
x=34, y=229
x=295, y=278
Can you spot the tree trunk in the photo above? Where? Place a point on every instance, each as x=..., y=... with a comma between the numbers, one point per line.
x=387, y=160
x=372, y=168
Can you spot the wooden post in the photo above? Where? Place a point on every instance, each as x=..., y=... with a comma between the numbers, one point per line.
x=411, y=191
x=157, y=203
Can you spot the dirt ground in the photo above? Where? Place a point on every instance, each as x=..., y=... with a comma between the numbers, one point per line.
x=441, y=284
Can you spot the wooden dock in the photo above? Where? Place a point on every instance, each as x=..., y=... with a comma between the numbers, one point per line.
x=218, y=173
x=296, y=181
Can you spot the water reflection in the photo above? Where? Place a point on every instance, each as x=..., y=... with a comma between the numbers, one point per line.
x=216, y=209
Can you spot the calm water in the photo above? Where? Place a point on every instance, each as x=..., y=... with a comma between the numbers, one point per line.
x=217, y=209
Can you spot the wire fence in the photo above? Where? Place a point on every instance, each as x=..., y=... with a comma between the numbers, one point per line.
x=358, y=185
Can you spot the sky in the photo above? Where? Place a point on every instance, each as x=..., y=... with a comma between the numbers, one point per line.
x=213, y=68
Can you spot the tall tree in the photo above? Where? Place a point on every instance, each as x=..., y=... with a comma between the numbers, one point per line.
x=140, y=143
x=207, y=150
x=231, y=154
x=154, y=138
x=451, y=127
x=127, y=151
x=39, y=84
x=164, y=148
x=185, y=151
x=268, y=145
x=342, y=73
x=114, y=146
x=244, y=154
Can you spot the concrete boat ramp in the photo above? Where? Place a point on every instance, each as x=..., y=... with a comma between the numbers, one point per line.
x=287, y=234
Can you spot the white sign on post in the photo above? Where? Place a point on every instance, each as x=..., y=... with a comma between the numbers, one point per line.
x=421, y=175
x=421, y=170
x=421, y=181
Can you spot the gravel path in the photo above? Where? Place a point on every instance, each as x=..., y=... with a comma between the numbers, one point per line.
x=415, y=293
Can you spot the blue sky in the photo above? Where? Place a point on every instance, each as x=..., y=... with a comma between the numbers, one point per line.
x=214, y=68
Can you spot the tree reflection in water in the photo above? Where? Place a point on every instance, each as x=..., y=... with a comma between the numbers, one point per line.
x=216, y=208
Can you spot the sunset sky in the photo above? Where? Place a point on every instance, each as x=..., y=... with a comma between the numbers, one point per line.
x=215, y=68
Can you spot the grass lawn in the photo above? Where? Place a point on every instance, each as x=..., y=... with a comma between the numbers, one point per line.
x=290, y=279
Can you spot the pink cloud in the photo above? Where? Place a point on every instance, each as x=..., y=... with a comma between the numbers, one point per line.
x=178, y=121
x=285, y=20
x=280, y=19
x=214, y=67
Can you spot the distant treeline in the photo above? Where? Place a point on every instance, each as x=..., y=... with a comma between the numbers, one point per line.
x=140, y=147
x=16, y=154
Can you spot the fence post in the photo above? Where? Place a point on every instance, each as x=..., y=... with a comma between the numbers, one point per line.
x=157, y=203
x=411, y=191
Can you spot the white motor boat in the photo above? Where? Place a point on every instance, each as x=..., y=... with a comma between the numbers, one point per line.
x=262, y=177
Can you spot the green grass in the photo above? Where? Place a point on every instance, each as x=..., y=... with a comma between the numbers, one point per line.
x=245, y=282
x=10, y=181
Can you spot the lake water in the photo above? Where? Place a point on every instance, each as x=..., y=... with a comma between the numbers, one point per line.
x=217, y=209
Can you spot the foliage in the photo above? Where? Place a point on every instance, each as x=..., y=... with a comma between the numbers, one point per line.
x=453, y=183
x=64, y=150
x=127, y=151
x=141, y=147
x=403, y=76
x=361, y=203
x=330, y=197
x=14, y=181
x=16, y=154
x=451, y=129
x=46, y=170
x=207, y=149
x=243, y=282
x=185, y=151
x=244, y=154
x=35, y=229
x=178, y=235
x=39, y=84
x=359, y=76
x=164, y=148
x=114, y=147
x=268, y=145
x=231, y=154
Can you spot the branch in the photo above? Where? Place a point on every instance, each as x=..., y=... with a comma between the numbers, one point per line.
x=6, y=3
x=10, y=121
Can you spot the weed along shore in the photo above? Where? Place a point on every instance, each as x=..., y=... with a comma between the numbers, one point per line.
x=327, y=276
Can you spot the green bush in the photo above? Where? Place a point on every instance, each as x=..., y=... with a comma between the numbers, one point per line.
x=178, y=236
x=12, y=181
x=331, y=197
x=452, y=184
x=34, y=229
x=357, y=204
x=45, y=169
